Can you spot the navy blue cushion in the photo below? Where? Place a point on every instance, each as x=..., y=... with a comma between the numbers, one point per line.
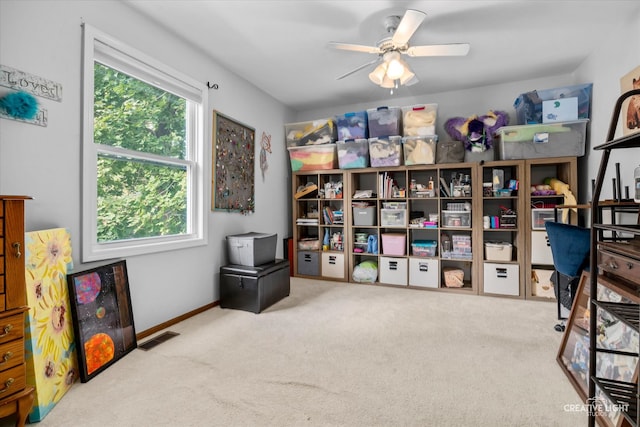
x=570, y=247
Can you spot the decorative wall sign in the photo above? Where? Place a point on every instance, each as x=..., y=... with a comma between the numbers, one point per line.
x=22, y=106
x=41, y=118
x=19, y=80
x=265, y=147
x=233, y=160
x=102, y=317
x=52, y=366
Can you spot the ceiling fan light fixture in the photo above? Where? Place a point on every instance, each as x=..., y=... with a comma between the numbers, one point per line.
x=407, y=76
x=378, y=74
x=387, y=83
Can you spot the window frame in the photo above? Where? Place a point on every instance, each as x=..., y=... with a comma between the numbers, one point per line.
x=100, y=47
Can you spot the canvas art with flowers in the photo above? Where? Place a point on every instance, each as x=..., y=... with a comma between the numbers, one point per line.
x=52, y=366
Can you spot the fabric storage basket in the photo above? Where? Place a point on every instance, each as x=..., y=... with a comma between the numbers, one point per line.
x=488, y=155
x=394, y=244
x=251, y=249
x=419, y=120
x=419, y=150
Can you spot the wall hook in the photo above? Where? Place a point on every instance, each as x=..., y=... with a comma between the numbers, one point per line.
x=212, y=86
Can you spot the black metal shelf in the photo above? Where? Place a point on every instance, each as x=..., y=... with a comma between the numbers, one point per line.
x=621, y=228
x=622, y=394
x=627, y=313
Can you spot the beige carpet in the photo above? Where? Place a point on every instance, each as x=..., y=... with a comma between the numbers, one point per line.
x=341, y=355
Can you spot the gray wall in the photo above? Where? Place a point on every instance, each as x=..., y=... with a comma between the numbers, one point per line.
x=44, y=38
x=611, y=59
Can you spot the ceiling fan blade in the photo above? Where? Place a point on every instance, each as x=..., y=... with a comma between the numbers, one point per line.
x=454, y=49
x=359, y=68
x=355, y=47
x=409, y=24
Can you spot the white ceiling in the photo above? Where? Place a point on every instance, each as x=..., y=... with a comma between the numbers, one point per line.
x=281, y=45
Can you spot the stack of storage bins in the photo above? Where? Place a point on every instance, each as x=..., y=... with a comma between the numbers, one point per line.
x=311, y=145
x=254, y=280
x=551, y=123
x=419, y=130
x=352, y=145
x=385, y=136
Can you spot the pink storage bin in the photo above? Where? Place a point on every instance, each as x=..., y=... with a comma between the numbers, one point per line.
x=394, y=244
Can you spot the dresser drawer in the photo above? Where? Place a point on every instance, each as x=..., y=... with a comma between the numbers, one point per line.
x=11, y=327
x=619, y=265
x=13, y=380
x=11, y=354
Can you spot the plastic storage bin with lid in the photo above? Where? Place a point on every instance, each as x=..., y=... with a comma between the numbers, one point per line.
x=424, y=248
x=419, y=120
x=321, y=131
x=562, y=139
x=385, y=151
x=312, y=157
x=529, y=105
x=384, y=121
x=498, y=251
x=419, y=150
x=353, y=153
x=352, y=125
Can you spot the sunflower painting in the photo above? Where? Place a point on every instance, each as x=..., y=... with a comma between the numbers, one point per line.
x=52, y=365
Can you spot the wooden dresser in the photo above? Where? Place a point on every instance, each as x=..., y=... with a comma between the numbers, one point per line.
x=15, y=396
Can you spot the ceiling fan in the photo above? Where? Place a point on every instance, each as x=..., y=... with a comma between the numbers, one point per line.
x=392, y=71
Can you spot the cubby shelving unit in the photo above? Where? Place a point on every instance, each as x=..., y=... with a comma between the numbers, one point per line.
x=458, y=207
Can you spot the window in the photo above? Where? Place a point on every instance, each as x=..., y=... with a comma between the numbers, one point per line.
x=143, y=153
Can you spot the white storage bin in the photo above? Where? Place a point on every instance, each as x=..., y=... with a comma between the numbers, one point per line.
x=498, y=251
x=424, y=272
x=393, y=271
x=540, y=248
x=503, y=279
x=333, y=265
x=393, y=217
x=541, y=285
x=252, y=248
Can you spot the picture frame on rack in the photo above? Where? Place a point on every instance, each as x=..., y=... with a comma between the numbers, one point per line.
x=573, y=355
x=631, y=106
x=102, y=317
